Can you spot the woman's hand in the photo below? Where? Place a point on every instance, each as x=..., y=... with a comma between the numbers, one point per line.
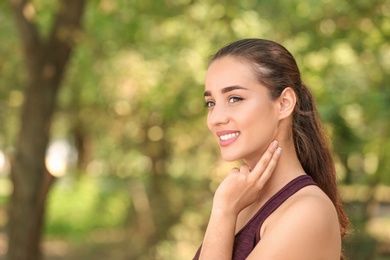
x=237, y=191
x=241, y=187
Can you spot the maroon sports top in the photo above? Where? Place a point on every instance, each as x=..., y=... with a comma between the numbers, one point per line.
x=248, y=237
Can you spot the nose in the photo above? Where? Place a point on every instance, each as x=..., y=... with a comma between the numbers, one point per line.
x=217, y=116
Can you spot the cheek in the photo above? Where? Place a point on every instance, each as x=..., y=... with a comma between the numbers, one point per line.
x=261, y=123
x=208, y=122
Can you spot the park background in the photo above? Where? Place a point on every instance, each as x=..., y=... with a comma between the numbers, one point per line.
x=114, y=109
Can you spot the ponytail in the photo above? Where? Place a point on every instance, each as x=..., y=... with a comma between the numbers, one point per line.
x=312, y=146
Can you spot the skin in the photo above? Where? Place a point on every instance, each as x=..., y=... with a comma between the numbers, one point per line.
x=306, y=225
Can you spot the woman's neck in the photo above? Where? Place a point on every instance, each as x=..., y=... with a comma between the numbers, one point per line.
x=288, y=168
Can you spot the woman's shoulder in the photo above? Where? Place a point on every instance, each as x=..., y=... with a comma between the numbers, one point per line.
x=312, y=211
x=303, y=227
x=310, y=208
x=310, y=197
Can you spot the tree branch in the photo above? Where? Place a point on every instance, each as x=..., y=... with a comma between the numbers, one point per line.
x=23, y=14
x=65, y=32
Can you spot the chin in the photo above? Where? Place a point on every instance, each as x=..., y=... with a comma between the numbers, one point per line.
x=230, y=157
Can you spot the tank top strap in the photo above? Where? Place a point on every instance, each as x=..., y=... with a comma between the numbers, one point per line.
x=281, y=196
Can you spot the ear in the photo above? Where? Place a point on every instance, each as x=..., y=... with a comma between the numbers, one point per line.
x=286, y=103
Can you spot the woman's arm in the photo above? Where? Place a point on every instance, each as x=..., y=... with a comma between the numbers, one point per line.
x=237, y=191
x=219, y=237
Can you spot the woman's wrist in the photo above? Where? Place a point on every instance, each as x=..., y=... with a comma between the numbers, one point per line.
x=224, y=213
x=219, y=237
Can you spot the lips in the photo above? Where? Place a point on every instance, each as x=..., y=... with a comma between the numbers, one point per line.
x=227, y=137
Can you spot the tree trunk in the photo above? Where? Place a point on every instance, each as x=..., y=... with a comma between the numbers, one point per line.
x=45, y=62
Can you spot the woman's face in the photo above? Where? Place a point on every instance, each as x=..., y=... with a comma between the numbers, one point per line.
x=241, y=115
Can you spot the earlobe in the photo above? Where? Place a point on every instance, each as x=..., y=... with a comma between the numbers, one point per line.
x=287, y=101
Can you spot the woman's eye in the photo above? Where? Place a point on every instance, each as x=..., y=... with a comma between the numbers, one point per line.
x=209, y=104
x=235, y=99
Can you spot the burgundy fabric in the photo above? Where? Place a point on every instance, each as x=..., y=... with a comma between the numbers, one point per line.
x=248, y=237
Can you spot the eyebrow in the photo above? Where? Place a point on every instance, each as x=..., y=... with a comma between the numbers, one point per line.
x=225, y=90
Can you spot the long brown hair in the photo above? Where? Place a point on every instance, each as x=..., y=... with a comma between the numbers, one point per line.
x=277, y=69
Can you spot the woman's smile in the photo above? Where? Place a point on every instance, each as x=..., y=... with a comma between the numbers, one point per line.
x=227, y=137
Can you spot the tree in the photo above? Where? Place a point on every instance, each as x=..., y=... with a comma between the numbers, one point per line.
x=139, y=117
x=46, y=61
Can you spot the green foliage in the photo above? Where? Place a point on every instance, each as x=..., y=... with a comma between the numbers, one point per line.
x=78, y=207
x=132, y=106
x=11, y=73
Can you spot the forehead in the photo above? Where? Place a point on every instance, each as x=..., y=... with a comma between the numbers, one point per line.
x=229, y=71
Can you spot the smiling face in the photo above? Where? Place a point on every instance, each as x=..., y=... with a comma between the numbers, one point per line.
x=242, y=115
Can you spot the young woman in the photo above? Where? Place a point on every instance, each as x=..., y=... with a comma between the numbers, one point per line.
x=282, y=203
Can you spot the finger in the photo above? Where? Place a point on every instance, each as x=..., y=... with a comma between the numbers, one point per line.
x=264, y=160
x=269, y=169
x=245, y=169
x=235, y=170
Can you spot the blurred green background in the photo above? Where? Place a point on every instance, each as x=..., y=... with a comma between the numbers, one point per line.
x=135, y=163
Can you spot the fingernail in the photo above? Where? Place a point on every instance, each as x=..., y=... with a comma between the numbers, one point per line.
x=275, y=144
x=278, y=151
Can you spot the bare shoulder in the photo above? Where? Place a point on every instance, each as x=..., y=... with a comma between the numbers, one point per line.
x=304, y=227
x=309, y=204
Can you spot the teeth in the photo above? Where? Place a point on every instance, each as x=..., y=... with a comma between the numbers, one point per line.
x=228, y=136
